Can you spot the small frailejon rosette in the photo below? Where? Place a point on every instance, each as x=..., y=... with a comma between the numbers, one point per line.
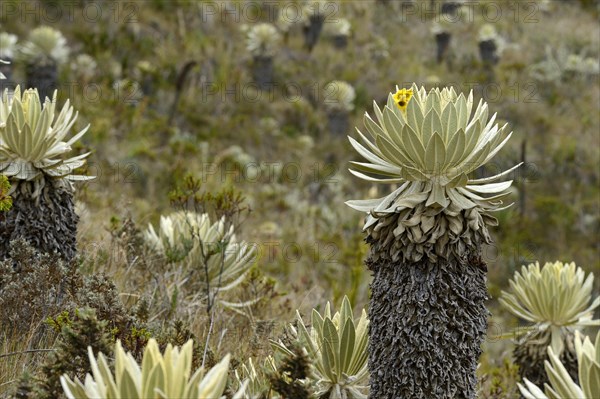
x=428, y=143
x=44, y=46
x=263, y=40
x=192, y=239
x=339, y=96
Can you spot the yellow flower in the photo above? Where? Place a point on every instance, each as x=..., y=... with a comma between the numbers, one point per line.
x=402, y=97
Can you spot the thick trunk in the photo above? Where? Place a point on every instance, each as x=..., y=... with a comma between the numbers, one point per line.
x=428, y=321
x=443, y=42
x=262, y=72
x=340, y=41
x=44, y=78
x=312, y=31
x=487, y=52
x=48, y=223
x=450, y=8
x=339, y=123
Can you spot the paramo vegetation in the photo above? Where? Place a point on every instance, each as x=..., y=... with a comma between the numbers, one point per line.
x=299, y=199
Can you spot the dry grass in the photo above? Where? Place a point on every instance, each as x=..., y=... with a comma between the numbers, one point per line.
x=21, y=351
x=137, y=169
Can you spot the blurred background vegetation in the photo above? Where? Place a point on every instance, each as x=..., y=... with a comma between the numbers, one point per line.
x=154, y=125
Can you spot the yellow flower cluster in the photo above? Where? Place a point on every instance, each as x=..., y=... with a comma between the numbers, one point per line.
x=402, y=97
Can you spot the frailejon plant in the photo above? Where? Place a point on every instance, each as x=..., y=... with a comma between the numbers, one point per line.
x=488, y=44
x=8, y=44
x=84, y=66
x=338, y=101
x=339, y=31
x=45, y=49
x=450, y=8
x=580, y=65
x=442, y=32
x=427, y=312
x=33, y=148
x=339, y=96
x=556, y=299
x=221, y=262
x=263, y=41
x=167, y=375
x=45, y=45
x=561, y=384
x=256, y=378
x=337, y=348
x=314, y=14
x=379, y=48
x=560, y=64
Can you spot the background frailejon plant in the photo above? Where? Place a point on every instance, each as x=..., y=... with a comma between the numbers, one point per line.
x=557, y=299
x=561, y=383
x=180, y=122
x=44, y=51
x=336, y=345
x=33, y=145
x=7, y=52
